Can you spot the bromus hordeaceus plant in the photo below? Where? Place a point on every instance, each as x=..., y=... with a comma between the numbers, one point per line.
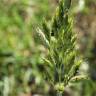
x=63, y=60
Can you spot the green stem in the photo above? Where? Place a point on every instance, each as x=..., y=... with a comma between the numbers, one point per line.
x=59, y=93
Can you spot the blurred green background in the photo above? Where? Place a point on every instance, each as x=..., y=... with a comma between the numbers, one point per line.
x=21, y=64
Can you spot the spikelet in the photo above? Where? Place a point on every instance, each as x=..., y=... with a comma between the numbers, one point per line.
x=63, y=59
x=42, y=38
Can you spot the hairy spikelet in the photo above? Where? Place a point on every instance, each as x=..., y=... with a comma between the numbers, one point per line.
x=63, y=61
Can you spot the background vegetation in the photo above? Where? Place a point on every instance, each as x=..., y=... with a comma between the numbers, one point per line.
x=21, y=53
